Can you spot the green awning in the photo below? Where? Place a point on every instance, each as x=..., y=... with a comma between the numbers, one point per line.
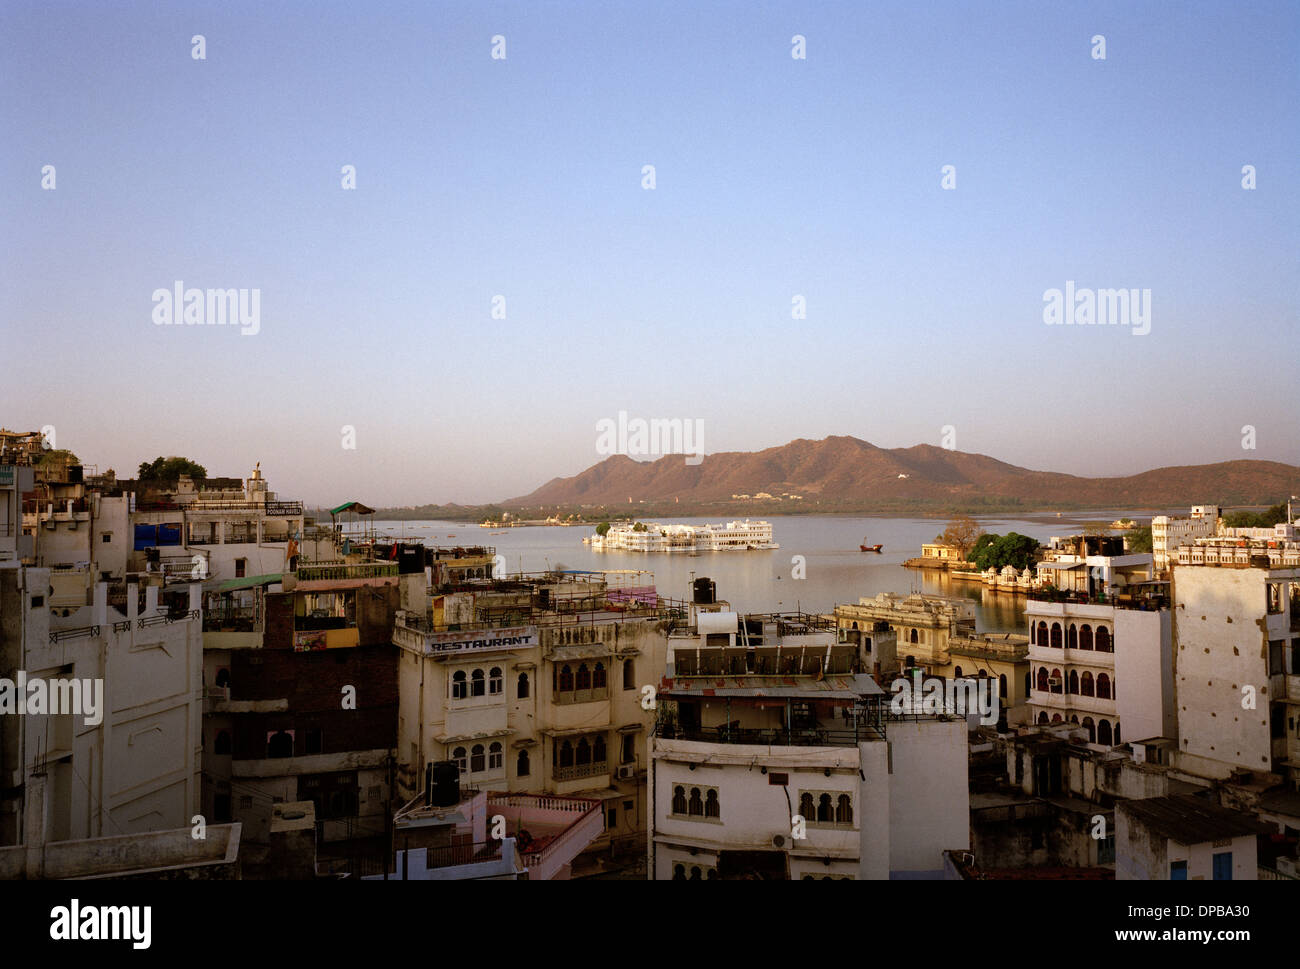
x=234, y=585
x=355, y=507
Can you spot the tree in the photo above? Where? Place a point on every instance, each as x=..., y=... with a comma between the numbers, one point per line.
x=962, y=533
x=602, y=528
x=1251, y=519
x=1139, y=540
x=1096, y=529
x=638, y=527
x=169, y=469
x=58, y=456
x=1000, y=551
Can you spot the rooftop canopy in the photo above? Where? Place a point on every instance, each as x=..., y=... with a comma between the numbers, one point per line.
x=356, y=507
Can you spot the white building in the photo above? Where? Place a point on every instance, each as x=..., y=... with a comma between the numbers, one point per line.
x=134, y=766
x=1107, y=624
x=654, y=537
x=1168, y=533
x=1237, y=623
x=775, y=757
x=1183, y=837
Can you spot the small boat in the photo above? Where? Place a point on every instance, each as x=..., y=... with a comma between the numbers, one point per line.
x=869, y=548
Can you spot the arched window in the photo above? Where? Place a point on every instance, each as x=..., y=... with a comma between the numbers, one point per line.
x=1056, y=718
x=1042, y=634
x=461, y=758
x=824, y=812
x=598, y=680
x=695, y=804
x=598, y=755
x=1103, y=640
x=629, y=675
x=221, y=744
x=1085, y=685
x=566, y=679
x=679, y=800
x=1056, y=635
x=584, y=751
x=844, y=810
x=679, y=873
x=223, y=677
x=476, y=763
x=1058, y=686
x=913, y=638
x=1074, y=718
x=1042, y=716
x=1117, y=740
x=1074, y=679
x=566, y=754
x=1103, y=686
x=496, y=682
x=280, y=745
x=1072, y=637
x=1042, y=679
x=521, y=688
x=584, y=677
x=1103, y=733
x=1085, y=636
x=1028, y=684
x=711, y=807
x=1002, y=685
x=1091, y=727
x=459, y=689
x=807, y=809
x=477, y=685
x=495, y=756
x=956, y=672
x=522, y=766
x=696, y=874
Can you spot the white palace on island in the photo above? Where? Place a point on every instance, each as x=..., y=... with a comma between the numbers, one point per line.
x=654, y=537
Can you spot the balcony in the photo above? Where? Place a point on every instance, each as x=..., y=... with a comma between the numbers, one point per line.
x=581, y=771
x=580, y=696
x=309, y=571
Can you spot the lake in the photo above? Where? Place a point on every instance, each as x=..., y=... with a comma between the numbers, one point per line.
x=762, y=581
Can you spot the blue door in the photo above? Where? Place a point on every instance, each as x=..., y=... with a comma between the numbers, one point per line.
x=1223, y=867
x=1178, y=871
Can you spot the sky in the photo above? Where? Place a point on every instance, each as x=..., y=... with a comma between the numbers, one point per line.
x=523, y=177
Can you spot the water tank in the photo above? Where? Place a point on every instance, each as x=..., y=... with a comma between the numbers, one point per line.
x=446, y=783
x=706, y=591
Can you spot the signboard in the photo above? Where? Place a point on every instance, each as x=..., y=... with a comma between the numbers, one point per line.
x=305, y=641
x=481, y=640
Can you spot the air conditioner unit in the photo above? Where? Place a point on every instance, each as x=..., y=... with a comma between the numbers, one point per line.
x=627, y=772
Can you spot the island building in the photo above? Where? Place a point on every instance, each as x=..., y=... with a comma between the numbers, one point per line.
x=776, y=756
x=653, y=537
x=1168, y=533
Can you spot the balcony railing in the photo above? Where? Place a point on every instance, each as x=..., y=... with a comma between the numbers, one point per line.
x=579, y=771
x=581, y=696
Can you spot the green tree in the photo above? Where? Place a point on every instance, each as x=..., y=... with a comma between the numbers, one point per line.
x=602, y=528
x=1256, y=519
x=639, y=527
x=1000, y=551
x=169, y=469
x=1139, y=539
x=61, y=456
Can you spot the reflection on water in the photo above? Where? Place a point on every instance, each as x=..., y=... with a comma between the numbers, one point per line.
x=834, y=569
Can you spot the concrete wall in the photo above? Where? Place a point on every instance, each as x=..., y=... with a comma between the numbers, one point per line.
x=1144, y=688
x=929, y=799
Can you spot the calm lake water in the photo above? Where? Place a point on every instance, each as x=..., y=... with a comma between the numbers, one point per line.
x=761, y=581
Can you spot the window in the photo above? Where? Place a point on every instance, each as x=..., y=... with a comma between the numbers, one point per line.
x=956, y=672
x=460, y=756
x=1074, y=679
x=1223, y=866
x=1002, y=685
x=223, y=677
x=279, y=744
x=106, y=537
x=495, y=756
x=1103, y=640
x=807, y=809
x=477, y=686
x=1091, y=728
x=221, y=743
x=1085, y=685
x=245, y=802
x=1056, y=635
x=612, y=819
x=598, y=680
x=521, y=764
x=1103, y=686
x=496, y=682
x=38, y=601
x=566, y=679
x=679, y=873
x=598, y=755
x=584, y=677
x=459, y=688
x=1042, y=679
x=695, y=803
x=521, y=688
x=1072, y=637
x=629, y=675
x=913, y=637
x=628, y=753
x=241, y=566
x=566, y=754
x=1085, y=636
x=679, y=800
x=844, y=810
x=1178, y=871
x=1057, y=686
x=476, y=764
x=1103, y=733
x=711, y=807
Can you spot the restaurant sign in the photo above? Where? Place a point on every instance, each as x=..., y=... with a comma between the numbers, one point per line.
x=481, y=640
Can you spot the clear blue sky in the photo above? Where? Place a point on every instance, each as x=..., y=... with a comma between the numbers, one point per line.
x=522, y=177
